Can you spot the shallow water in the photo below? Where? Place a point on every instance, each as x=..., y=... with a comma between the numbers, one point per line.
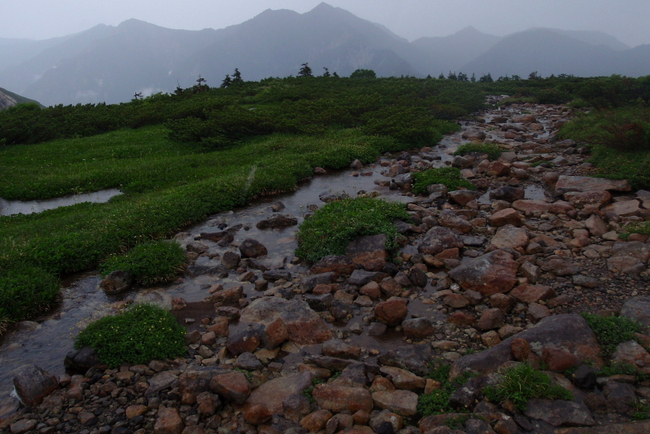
x=11, y=207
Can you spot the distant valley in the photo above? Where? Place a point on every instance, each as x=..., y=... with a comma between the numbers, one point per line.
x=112, y=64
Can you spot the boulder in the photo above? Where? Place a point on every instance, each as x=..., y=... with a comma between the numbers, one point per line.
x=566, y=184
x=33, y=384
x=492, y=273
x=276, y=391
x=116, y=282
x=569, y=332
x=338, y=398
x=304, y=326
x=251, y=248
x=637, y=309
x=558, y=412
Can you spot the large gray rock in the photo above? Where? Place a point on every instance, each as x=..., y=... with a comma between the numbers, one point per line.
x=304, y=326
x=570, y=333
x=33, y=384
x=438, y=239
x=559, y=412
x=586, y=183
x=272, y=393
x=637, y=309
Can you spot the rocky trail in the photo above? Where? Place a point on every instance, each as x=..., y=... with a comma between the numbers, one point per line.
x=483, y=279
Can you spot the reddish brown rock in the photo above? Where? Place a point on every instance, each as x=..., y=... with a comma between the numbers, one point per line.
x=503, y=302
x=509, y=236
x=508, y=216
x=558, y=359
x=369, y=252
x=371, y=289
x=449, y=219
x=498, y=168
x=455, y=301
x=418, y=328
x=589, y=198
x=275, y=334
x=585, y=183
x=520, y=349
x=438, y=239
x=531, y=207
x=403, y=402
x=532, y=293
x=304, y=326
x=232, y=386
x=337, y=398
x=537, y=312
x=168, y=421
x=33, y=384
x=274, y=392
x=391, y=287
x=392, y=311
x=403, y=379
x=490, y=338
x=251, y=248
x=228, y=295
x=316, y=421
x=461, y=319
x=257, y=414
x=596, y=226
x=337, y=264
x=491, y=319
x=463, y=197
x=625, y=208
x=495, y=272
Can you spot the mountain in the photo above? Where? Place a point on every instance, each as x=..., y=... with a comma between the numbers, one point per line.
x=112, y=63
x=9, y=99
x=548, y=51
x=450, y=53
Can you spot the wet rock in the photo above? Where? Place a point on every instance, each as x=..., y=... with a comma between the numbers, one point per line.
x=495, y=272
x=392, y=311
x=304, y=326
x=33, y=384
x=338, y=399
x=368, y=252
x=275, y=275
x=277, y=222
x=507, y=216
x=232, y=386
x=418, y=328
x=333, y=196
x=570, y=332
x=559, y=412
x=116, y=282
x=509, y=237
x=403, y=402
x=474, y=134
x=585, y=183
x=336, y=264
x=414, y=358
x=228, y=295
x=438, y=239
x=168, y=421
x=637, y=309
x=251, y=248
x=508, y=193
x=81, y=360
x=230, y=260
x=418, y=277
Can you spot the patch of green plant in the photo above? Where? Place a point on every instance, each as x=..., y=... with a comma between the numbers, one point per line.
x=547, y=164
x=149, y=263
x=636, y=228
x=437, y=402
x=334, y=226
x=141, y=334
x=24, y=292
x=449, y=176
x=611, y=331
x=641, y=411
x=493, y=150
x=457, y=422
x=522, y=383
x=622, y=368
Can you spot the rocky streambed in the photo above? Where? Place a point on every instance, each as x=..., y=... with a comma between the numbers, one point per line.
x=483, y=279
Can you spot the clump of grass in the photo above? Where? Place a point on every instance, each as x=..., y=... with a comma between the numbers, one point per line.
x=449, y=176
x=150, y=263
x=493, y=150
x=611, y=331
x=437, y=402
x=522, y=383
x=636, y=228
x=139, y=335
x=333, y=227
x=24, y=292
x=622, y=368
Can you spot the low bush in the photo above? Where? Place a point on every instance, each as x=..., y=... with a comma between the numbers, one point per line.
x=150, y=263
x=24, y=292
x=522, y=383
x=493, y=150
x=137, y=336
x=611, y=331
x=449, y=176
x=333, y=227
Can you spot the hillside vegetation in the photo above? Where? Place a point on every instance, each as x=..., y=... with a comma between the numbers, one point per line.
x=181, y=157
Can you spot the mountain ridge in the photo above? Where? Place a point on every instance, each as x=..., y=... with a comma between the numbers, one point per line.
x=112, y=63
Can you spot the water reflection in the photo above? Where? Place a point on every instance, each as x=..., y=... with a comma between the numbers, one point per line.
x=12, y=207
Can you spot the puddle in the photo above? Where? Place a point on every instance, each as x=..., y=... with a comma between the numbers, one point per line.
x=11, y=207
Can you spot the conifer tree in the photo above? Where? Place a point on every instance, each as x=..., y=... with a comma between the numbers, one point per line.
x=305, y=71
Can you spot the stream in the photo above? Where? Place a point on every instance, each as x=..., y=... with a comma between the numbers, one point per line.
x=46, y=342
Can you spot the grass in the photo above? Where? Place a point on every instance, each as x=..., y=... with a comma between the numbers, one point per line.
x=521, y=383
x=334, y=226
x=619, y=141
x=611, y=331
x=493, y=150
x=24, y=292
x=149, y=263
x=139, y=335
x=449, y=176
x=167, y=190
x=437, y=402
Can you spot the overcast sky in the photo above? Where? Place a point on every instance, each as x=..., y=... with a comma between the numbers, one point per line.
x=626, y=19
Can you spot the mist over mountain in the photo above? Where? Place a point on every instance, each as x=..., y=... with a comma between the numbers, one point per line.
x=112, y=63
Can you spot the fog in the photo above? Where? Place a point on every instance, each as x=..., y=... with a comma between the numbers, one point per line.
x=411, y=19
